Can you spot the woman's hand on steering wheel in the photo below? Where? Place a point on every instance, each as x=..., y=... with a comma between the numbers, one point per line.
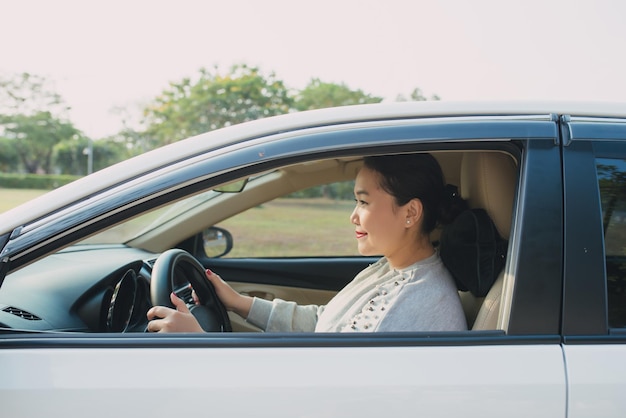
x=173, y=268
x=164, y=319
x=232, y=300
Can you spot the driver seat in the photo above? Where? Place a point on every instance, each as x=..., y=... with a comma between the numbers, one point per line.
x=488, y=181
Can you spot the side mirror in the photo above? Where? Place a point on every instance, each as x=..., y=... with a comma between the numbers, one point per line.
x=216, y=242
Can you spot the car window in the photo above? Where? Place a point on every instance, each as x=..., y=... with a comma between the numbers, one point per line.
x=612, y=183
x=310, y=223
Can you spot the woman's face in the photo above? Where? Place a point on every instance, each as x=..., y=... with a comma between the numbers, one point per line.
x=381, y=226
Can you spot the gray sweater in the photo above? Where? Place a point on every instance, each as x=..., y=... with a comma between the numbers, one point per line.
x=421, y=297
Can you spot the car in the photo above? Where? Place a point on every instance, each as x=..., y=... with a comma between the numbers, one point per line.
x=81, y=265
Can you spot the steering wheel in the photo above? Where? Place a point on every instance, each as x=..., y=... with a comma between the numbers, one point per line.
x=173, y=270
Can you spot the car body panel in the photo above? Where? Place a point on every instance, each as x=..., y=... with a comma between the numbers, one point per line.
x=596, y=375
x=310, y=381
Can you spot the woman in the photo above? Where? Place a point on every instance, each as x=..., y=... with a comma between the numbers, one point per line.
x=400, y=199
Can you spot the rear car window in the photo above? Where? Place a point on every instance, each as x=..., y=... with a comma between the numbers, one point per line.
x=612, y=184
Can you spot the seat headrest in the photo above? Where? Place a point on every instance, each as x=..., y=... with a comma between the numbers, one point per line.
x=488, y=181
x=474, y=246
x=473, y=251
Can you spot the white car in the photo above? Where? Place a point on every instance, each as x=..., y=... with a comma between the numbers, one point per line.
x=81, y=265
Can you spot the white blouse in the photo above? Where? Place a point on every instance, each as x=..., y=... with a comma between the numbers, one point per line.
x=421, y=297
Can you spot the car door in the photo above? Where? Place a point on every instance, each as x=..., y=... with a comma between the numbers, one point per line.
x=515, y=370
x=594, y=315
x=530, y=353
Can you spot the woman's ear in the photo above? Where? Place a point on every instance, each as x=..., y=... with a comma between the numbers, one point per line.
x=414, y=213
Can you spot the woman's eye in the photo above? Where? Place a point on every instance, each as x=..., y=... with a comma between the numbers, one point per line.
x=360, y=202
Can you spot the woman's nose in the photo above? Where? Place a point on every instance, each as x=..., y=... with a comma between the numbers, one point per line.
x=354, y=218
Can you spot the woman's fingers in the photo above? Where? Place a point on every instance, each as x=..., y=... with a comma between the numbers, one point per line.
x=164, y=319
x=178, y=303
x=157, y=312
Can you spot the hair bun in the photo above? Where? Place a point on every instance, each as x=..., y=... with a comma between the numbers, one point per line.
x=452, y=205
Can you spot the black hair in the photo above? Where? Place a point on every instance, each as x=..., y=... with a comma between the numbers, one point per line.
x=418, y=176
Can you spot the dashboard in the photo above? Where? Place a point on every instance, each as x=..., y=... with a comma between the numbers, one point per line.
x=86, y=288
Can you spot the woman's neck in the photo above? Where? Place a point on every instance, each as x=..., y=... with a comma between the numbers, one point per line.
x=410, y=254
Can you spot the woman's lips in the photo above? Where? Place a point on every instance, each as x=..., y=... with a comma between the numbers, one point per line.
x=360, y=234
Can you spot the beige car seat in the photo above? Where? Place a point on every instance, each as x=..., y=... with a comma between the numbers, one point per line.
x=488, y=181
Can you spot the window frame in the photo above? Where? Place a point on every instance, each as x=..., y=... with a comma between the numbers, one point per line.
x=532, y=141
x=585, y=305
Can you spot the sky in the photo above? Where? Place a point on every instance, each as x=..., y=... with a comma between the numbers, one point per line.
x=102, y=56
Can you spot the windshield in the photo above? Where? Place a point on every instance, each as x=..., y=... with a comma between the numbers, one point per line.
x=146, y=222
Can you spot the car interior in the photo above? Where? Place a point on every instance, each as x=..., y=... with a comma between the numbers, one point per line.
x=485, y=179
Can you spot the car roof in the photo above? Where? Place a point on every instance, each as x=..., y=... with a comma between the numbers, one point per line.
x=199, y=144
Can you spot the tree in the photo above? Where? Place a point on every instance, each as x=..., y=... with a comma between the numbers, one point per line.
x=416, y=96
x=9, y=160
x=318, y=95
x=28, y=94
x=71, y=155
x=132, y=136
x=33, y=120
x=214, y=101
x=33, y=138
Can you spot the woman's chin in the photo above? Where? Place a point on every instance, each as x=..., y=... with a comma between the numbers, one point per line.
x=366, y=251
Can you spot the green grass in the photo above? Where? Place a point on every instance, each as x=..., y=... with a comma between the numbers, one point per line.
x=10, y=198
x=294, y=227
